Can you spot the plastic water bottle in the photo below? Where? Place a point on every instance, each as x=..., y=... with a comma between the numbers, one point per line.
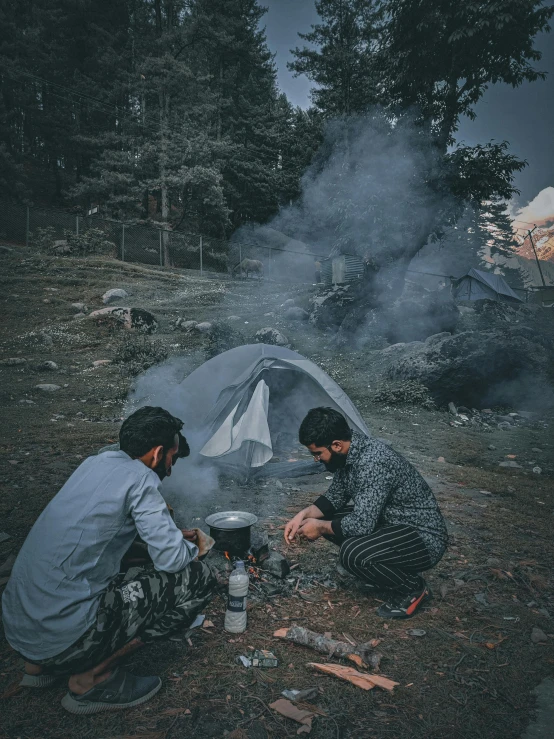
x=235, y=617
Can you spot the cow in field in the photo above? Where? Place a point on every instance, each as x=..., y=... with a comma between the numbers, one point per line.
x=250, y=267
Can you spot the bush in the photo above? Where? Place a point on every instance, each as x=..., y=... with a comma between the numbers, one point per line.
x=223, y=337
x=410, y=392
x=43, y=238
x=136, y=354
x=91, y=241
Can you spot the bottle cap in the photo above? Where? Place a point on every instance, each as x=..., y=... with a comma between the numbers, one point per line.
x=239, y=564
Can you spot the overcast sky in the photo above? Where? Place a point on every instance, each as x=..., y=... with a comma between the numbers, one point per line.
x=524, y=116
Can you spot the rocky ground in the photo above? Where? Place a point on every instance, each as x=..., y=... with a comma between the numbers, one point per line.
x=489, y=634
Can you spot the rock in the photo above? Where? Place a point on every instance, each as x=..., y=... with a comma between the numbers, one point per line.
x=296, y=314
x=180, y=323
x=491, y=447
x=114, y=295
x=46, y=388
x=452, y=409
x=527, y=415
x=511, y=464
x=234, y=318
x=475, y=367
x=487, y=411
x=441, y=459
x=4, y=537
x=493, y=562
x=48, y=366
x=80, y=307
x=131, y=318
x=330, y=306
x=12, y=362
x=537, y=470
x=536, y=450
x=276, y=565
x=46, y=339
x=278, y=484
x=271, y=336
x=288, y=303
x=538, y=636
x=61, y=247
x=101, y=362
x=435, y=338
x=505, y=426
x=204, y=328
x=78, y=316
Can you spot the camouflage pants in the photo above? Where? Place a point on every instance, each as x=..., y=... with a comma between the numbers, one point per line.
x=141, y=602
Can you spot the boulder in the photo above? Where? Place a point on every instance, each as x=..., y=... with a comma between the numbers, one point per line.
x=47, y=388
x=331, y=306
x=296, y=314
x=114, y=296
x=48, y=366
x=272, y=336
x=475, y=368
x=183, y=325
x=288, y=303
x=131, y=318
x=46, y=339
x=204, y=328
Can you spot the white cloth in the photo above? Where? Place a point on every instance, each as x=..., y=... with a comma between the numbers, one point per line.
x=252, y=427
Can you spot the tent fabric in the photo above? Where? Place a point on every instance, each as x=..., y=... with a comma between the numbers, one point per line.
x=222, y=403
x=479, y=285
x=251, y=427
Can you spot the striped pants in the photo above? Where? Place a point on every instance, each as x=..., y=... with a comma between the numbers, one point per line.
x=390, y=558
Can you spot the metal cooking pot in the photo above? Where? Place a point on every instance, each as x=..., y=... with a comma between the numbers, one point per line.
x=231, y=530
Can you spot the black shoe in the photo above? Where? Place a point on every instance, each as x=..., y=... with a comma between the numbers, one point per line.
x=405, y=606
x=120, y=690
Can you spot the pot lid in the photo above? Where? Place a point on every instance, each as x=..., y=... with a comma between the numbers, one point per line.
x=231, y=519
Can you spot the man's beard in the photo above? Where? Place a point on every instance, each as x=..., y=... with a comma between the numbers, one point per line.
x=337, y=462
x=161, y=470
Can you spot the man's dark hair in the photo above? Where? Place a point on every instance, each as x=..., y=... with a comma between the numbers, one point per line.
x=150, y=427
x=323, y=426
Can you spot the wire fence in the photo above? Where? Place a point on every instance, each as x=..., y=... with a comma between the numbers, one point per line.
x=61, y=233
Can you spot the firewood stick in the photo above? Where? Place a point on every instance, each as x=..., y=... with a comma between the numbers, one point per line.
x=361, y=654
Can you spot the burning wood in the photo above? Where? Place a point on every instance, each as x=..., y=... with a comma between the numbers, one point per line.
x=362, y=655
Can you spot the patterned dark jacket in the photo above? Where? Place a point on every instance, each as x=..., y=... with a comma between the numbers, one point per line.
x=385, y=489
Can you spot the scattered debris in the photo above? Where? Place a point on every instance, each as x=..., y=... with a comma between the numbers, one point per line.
x=259, y=658
x=289, y=710
x=360, y=654
x=301, y=695
x=360, y=679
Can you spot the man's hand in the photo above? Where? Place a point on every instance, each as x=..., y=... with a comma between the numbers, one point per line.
x=190, y=535
x=291, y=529
x=312, y=528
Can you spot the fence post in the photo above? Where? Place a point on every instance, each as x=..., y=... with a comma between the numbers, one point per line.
x=161, y=249
x=77, y=225
x=27, y=227
x=123, y=242
x=240, y=260
x=201, y=263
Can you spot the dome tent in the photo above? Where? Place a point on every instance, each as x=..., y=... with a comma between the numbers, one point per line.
x=242, y=405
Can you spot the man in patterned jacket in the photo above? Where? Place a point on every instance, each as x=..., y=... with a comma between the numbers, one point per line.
x=393, y=531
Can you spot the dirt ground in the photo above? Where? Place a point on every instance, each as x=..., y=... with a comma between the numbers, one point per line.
x=473, y=672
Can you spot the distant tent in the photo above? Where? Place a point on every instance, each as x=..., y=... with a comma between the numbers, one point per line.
x=478, y=285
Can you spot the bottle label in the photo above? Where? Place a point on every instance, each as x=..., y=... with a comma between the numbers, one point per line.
x=236, y=603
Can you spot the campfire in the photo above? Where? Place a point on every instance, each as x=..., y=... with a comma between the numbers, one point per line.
x=251, y=561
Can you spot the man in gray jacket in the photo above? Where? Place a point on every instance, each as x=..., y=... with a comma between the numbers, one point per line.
x=68, y=609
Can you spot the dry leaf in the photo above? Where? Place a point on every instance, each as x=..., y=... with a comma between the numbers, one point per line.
x=208, y=624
